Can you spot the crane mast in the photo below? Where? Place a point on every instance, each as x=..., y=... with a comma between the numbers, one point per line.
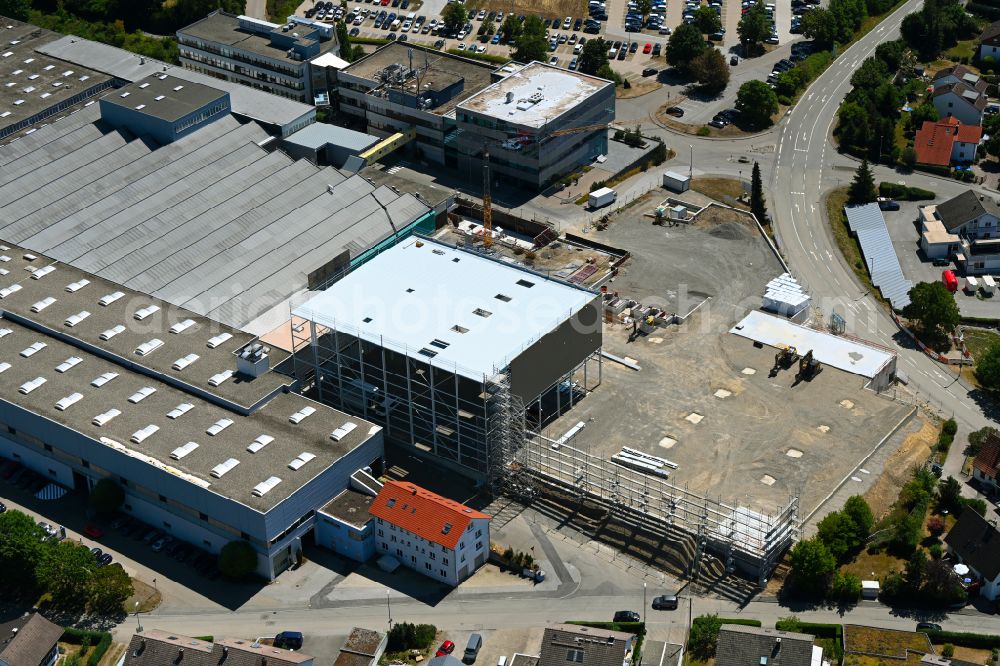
x=487, y=204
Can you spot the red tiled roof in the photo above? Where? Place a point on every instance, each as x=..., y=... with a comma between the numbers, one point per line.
x=988, y=459
x=934, y=140
x=424, y=513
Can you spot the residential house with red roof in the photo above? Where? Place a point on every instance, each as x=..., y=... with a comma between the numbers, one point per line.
x=986, y=466
x=947, y=142
x=431, y=534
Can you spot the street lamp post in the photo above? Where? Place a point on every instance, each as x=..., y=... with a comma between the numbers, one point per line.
x=138, y=627
x=388, y=606
x=644, y=602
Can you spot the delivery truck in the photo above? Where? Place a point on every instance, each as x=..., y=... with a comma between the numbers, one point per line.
x=602, y=197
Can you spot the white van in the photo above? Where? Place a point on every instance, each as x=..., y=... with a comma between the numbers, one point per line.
x=395, y=25
x=502, y=661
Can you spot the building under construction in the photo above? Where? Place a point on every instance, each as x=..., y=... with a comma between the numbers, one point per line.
x=450, y=350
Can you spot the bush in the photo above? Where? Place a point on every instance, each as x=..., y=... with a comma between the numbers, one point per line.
x=904, y=193
x=704, y=131
x=977, y=505
x=948, y=650
x=965, y=639
x=846, y=588
x=950, y=427
x=409, y=636
x=101, y=639
x=935, y=525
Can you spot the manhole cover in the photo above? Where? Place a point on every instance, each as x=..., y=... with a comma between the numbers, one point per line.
x=823, y=428
x=723, y=393
x=767, y=480
x=749, y=371
x=847, y=404
x=694, y=417
x=793, y=453
x=668, y=442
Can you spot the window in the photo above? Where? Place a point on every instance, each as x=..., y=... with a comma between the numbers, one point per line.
x=167, y=525
x=85, y=463
x=385, y=546
x=399, y=552
x=479, y=545
x=479, y=533
x=391, y=527
x=433, y=555
x=574, y=656
x=459, y=329
x=481, y=312
x=443, y=574
x=503, y=297
x=380, y=521
x=444, y=561
x=525, y=283
x=413, y=558
x=427, y=565
x=48, y=447
x=203, y=516
x=163, y=498
x=393, y=537
x=381, y=533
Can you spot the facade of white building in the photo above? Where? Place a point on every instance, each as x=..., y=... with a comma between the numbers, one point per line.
x=433, y=535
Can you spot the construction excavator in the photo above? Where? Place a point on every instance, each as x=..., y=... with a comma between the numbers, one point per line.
x=783, y=360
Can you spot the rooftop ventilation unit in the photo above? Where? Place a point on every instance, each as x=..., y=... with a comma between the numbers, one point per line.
x=42, y=304
x=221, y=378
x=147, y=348
x=28, y=387
x=301, y=460
x=220, y=470
x=182, y=451
x=219, y=426
x=103, y=379
x=77, y=286
x=102, y=420
x=180, y=410
x=112, y=332
x=253, y=360
x=259, y=443
x=141, y=394
x=73, y=320
x=264, y=487
x=67, y=402
x=143, y=313
x=4, y=366
x=185, y=361
x=69, y=363
x=4, y=332
x=111, y=298
x=219, y=339
x=12, y=289
x=343, y=431
x=33, y=349
x=297, y=417
x=182, y=326
x=42, y=272
x=141, y=435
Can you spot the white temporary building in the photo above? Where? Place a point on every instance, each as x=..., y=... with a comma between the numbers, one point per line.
x=785, y=296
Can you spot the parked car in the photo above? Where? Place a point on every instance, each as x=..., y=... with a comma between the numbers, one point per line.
x=475, y=640
x=93, y=531
x=941, y=261
x=928, y=626
x=446, y=648
x=665, y=602
x=885, y=203
x=675, y=111
x=648, y=48
x=96, y=552
x=3, y=507
x=104, y=560
x=656, y=49
x=650, y=71
x=626, y=616
x=289, y=640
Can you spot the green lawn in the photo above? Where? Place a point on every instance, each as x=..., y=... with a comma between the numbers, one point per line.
x=964, y=49
x=979, y=340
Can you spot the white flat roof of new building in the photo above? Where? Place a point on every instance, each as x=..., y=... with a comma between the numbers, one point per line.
x=828, y=349
x=455, y=310
x=540, y=93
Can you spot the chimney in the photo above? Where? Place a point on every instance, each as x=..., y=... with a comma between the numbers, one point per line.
x=253, y=360
x=510, y=97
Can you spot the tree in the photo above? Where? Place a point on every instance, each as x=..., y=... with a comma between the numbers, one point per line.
x=109, y=588
x=66, y=569
x=753, y=29
x=861, y=515
x=757, y=202
x=487, y=29
x=454, y=16
x=408, y=636
x=988, y=369
x=685, y=44
x=711, y=71
x=704, y=636
x=21, y=547
x=593, y=56
x=605, y=72
x=357, y=52
x=106, y=496
x=863, y=188
x=838, y=533
x=344, y=39
x=909, y=157
x=933, y=308
x=949, y=495
x=820, y=25
x=978, y=437
x=812, y=566
x=846, y=588
x=707, y=19
x=757, y=103
x=908, y=531
x=510, y=30
x=531, y=45
x=915, y=572
x=644, y=7
x=942, y=584
x=15, y=9
x=238, y=559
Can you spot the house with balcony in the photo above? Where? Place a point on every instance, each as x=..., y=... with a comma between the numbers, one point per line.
x=975, y=220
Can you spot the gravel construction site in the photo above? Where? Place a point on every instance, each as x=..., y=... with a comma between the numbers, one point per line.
x=703, y=397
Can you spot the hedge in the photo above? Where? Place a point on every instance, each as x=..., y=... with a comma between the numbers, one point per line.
x=970, y=640
x=638, y=628
x=101, y=640
x=904, y=193
x=376, y=41
x=732, y=620
x=485, y=57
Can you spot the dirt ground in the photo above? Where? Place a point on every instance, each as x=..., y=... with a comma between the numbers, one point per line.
x=967, y=654
x=916, y=448
x=638, y=88
x=147, y=597
x=725, y=190
x=543, y=8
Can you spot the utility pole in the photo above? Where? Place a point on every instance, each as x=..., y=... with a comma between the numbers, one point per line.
x=644, y=602
x=388, y=607
x=691, y=163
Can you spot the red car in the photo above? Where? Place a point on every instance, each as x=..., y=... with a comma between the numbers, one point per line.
x=93, y=531
x=647, y=48
x=446, y=648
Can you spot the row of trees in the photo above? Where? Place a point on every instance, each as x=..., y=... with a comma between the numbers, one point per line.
x=938, y=26
x=839, y=536
x=154, y=16
x=31, y=564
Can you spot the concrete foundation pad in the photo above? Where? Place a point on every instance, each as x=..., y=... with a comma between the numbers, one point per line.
x=793, y=453
x=668, y=442
x=749, y=371
x=694, y=417
x=722, y=394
